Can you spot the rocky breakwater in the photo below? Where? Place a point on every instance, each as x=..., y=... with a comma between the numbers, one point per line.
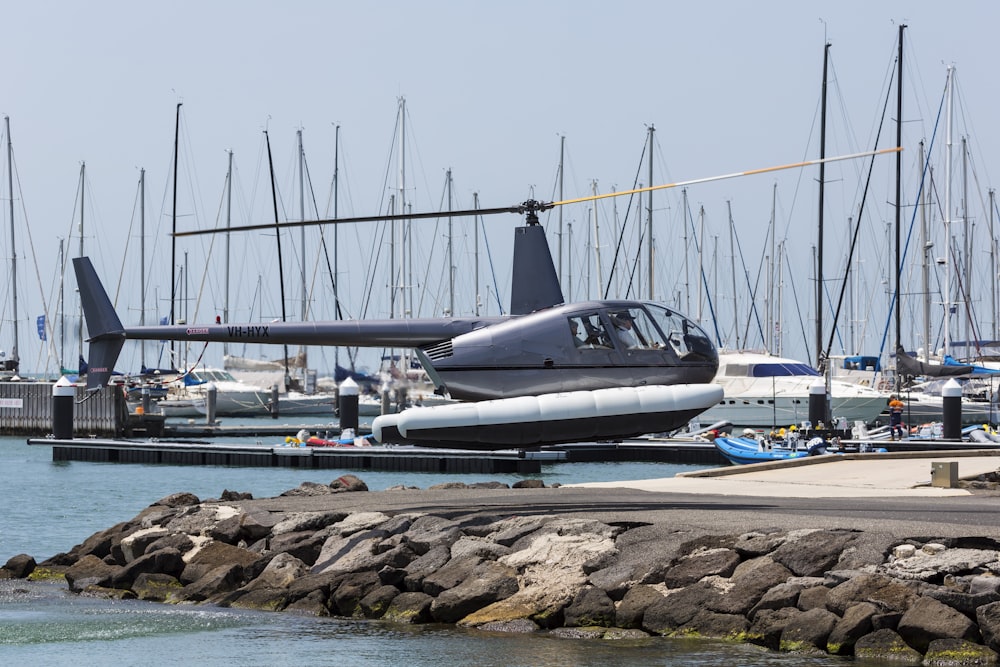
x=922, y=600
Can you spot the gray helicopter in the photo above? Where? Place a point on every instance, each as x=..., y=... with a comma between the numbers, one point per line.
x=548, y=373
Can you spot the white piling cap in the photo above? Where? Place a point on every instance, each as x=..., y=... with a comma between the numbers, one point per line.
x=349, y=387
x=818, y=387
x=951, y=388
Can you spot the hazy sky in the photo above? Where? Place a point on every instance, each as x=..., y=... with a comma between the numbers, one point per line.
x=490, y=88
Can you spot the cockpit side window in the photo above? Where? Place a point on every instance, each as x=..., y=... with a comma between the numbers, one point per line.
x=635, y=330
x=588, y=332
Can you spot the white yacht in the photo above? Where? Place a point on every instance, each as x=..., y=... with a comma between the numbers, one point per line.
x=762, y=390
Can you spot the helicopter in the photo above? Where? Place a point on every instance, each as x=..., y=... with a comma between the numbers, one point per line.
x=548, y=373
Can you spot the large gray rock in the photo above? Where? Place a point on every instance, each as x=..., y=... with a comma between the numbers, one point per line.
x=409, y=607
x=212, y=555
x=749, y=583
x=931, y=564
x=304, y=545
x=811, y=553
x=680, y=606
x=988, y=618
x=353, y=552
x=694, y=567
x=629, y=612
x=855, y=624
x=346, y=599
x=886, y=646
x=216, y=582
x=134, y=544
x=156, y=587
x=768, y=624
x=590, y=606
x=644, y=555
x=451, y=574
x=783, y=595
x=808, y=632
x=429, y=532
x=489, y=582
x=18, y=567
x=377, y=601
x=967, y=603
x=297, y=522
x=927, y=620
x=886, y=593
x=759, y=542
x=422, y=567
x=813, y=597
x=717, y=626
x=281, y=572
x=163, y=561
x=952, y=652
x=90, y=571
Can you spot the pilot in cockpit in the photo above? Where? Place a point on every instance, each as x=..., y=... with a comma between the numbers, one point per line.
x=623, y=328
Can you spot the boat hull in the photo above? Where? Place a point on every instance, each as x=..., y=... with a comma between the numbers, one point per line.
x=740, y=451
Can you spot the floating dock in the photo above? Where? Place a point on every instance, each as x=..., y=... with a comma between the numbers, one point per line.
x=401, y=458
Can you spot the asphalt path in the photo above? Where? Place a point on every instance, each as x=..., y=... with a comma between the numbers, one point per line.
x=955, y=516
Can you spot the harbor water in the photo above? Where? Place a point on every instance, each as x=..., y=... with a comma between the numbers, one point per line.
x=48, y=507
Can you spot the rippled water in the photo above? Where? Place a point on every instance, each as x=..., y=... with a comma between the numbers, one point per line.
x=49, y=507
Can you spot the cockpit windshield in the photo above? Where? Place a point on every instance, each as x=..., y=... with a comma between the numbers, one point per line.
x=687, y=339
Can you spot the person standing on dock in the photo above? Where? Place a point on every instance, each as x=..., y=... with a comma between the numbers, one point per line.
x=895, y=417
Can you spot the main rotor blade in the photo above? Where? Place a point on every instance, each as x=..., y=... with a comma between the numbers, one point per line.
x=709, y=179
x=364, y=218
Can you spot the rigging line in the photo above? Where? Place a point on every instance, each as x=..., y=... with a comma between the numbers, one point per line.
x=489, y=259
x=621, y=233
x=798, y=308
x=750, y=292
x=920, y=189
x=854, y=238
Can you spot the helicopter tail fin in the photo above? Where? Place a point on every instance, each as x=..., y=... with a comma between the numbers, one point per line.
x=535, y=284
x=107, y=335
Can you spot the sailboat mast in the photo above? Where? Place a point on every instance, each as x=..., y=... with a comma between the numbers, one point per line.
x=925, y=267
x=967, y=249
x=451, y=253
x=277, y=234
x=819, y=243
x=336, y=250
x=947, y=212
x=899, y=170
x=649, y=217
x=229, y=222
x=732, y=261
x=771, y=312
x=13, y=252
x=475, y=238
x=597, y=242
x=173, y=228
x=993, y=268
x=61, y=309
x=562, y=153
x=401, y=204
x=83, y=169
x=142, y=262
x=302, y=217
